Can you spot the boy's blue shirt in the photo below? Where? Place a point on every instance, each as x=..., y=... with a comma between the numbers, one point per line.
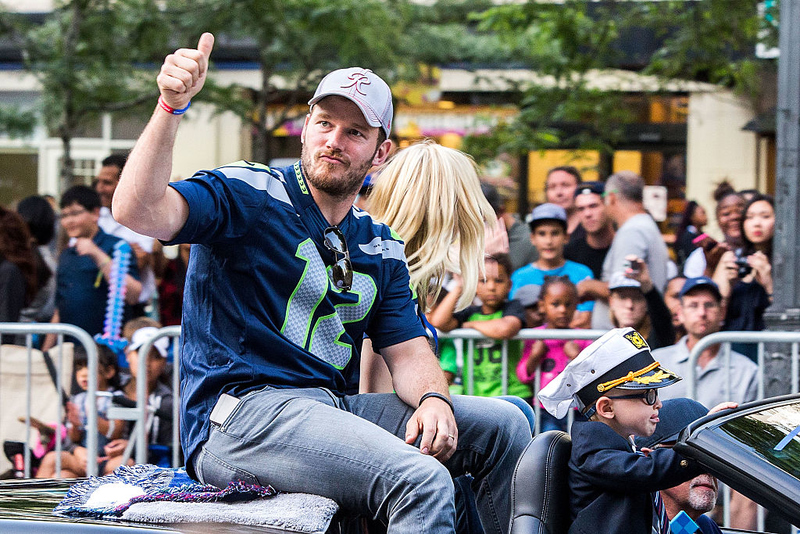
x=530, y=274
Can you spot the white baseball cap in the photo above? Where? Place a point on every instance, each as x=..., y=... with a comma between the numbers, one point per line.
x=365, y=89
x=620, y=281
x=145, y=334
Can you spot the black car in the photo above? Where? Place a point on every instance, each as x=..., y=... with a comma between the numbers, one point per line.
x=755, y=449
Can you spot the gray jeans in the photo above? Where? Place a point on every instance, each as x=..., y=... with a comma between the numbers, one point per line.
x=347, y=449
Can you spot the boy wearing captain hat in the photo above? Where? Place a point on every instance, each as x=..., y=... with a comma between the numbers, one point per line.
x=614, y=382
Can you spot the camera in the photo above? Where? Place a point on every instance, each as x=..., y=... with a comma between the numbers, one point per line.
x=634, y=265
x=744, y=267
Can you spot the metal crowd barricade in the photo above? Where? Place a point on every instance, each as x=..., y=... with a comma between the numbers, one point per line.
x=469, y=335
x=139, y=413
x=726, y=338
x=29, y=330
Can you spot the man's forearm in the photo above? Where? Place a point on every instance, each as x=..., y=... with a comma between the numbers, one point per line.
x=425, y=375
x=142, y=200
x=415, y=370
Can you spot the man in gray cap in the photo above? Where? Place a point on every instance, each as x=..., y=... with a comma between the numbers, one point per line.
x=285, y=280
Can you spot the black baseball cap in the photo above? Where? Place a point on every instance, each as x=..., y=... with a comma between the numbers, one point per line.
x=590, y=188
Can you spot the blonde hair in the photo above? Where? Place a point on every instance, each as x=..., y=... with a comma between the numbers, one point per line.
x=431, y=196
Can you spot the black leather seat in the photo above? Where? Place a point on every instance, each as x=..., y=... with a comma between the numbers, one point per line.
x=539, y=487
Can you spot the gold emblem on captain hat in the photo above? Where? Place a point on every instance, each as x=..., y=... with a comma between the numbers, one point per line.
x=636, y=339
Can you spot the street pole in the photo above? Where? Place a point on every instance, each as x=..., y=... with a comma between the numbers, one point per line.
x=784, y=314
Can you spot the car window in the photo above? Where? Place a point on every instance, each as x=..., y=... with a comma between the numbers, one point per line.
x=773, y=433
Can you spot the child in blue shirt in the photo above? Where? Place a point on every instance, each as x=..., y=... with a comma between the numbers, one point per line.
x=548, y=224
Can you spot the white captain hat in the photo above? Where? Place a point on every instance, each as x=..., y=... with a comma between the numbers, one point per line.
x=619, y=359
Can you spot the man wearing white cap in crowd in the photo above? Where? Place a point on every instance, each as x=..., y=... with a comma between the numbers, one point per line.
x=285, y=279
x=634, y=302
x=614, y=382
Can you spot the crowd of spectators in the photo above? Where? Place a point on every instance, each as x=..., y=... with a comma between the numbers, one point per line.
x=591, y=256
x=58, y=264
x=600, y=260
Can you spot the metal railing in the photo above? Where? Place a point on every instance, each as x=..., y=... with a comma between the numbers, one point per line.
x=140, y=412
x=471, y=336
x=60, y=330
x=138, y=415
x=725, y=339
x=759, y=338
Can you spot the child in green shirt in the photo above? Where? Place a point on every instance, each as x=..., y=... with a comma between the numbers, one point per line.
x=498, y=319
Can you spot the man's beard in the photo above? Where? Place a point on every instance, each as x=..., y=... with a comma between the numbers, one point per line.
x=702, y=499
x=320, y=174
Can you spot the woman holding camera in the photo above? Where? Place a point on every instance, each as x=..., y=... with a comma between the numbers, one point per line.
x=704, y=260
x=744, y=276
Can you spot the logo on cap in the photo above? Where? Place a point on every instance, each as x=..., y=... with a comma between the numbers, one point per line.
x=655, y=378
x=636, y=339
x=358, y=79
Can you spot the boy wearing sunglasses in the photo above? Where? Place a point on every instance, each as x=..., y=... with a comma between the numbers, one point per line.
x=614, y=488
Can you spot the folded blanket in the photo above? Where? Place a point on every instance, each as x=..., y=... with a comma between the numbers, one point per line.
x=148, y=493
x=293, y=512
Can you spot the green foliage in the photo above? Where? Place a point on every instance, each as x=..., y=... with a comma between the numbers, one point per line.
x=15, y=122
x=297, y=42
x=88, y=56
x=566, y=42
x=562, y=44
x=710, y=40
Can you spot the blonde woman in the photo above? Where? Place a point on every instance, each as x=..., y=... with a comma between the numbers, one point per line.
x=431, y=196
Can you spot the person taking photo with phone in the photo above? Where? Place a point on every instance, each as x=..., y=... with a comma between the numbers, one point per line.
x=703, y=260
x=744, y=275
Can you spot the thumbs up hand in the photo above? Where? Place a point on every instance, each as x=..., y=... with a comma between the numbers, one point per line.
x=184, y=73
